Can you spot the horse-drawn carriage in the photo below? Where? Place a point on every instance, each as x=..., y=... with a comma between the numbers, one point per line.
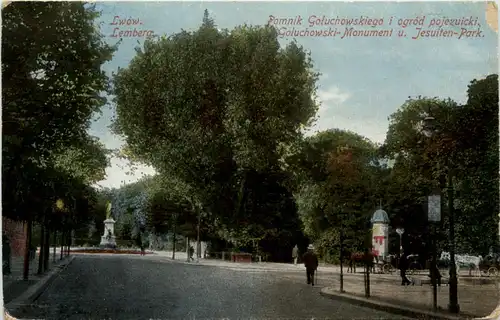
x=391, y=264
x=489, y=265
x=373, y=262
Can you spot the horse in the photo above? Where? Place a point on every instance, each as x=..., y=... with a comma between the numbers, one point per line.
x=473, y=263
x=366, y=258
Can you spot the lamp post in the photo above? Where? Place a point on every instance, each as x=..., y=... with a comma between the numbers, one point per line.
x=341, y=243
x=400, y=231
x=499, y=227
x=434, y=216
x=429, y=130
x=198, y=244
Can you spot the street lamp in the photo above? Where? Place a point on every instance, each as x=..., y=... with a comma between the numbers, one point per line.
x=198, y=244
x=429, y=129
x=400, y=231
x=341, y=252
x=434, y=216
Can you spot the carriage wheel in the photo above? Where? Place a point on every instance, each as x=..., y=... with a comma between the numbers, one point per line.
x=391, y=269
x=493, y=271
x=386, y=268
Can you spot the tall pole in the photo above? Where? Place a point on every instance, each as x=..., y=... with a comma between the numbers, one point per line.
x=46, y=251
x=62, y=245
x=55, y=246
x=341, y=259
x=27, y=250
x=368, y=259
x=400, y=244
x=42, y=248
x=453, y=306
x=499, y=228
x=198, y=245
x=174, y=238
x=434, y=270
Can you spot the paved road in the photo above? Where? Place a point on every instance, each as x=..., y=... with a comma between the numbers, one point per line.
x=134, y=287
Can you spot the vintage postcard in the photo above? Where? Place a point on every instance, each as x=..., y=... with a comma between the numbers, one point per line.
x=250, y=160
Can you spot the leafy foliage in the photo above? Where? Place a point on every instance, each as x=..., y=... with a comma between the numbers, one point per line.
x=52, y=78
x=51, y=85
x=202, y=108
x=336, y=188
x=465, y=146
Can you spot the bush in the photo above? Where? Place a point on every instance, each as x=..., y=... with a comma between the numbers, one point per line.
x=111, y=251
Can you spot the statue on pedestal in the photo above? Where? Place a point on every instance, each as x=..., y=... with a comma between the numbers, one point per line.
x=108, y=240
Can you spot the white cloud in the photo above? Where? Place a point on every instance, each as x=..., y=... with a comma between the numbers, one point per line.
x=329, y=100
x=333, y=95
x=335, y=112
x=121, y=172
x=369, y=78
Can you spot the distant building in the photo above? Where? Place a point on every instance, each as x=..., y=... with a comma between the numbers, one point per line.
x=16, y=233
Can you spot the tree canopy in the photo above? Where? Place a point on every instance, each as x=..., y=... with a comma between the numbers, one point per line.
x=224, y=122
x=52, y=85
x=219, y=114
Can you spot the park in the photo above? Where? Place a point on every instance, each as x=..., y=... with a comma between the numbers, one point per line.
x=196, y=164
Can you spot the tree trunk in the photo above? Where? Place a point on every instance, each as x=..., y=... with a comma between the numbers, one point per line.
x=174, y=240
x=46, y=250
x=27, y=252
x=42, y=244
x=198, y=244
x=62, y=245
x=55, y=246
x=68, y=242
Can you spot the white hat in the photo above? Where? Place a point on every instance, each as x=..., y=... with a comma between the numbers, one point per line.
x=310, y=247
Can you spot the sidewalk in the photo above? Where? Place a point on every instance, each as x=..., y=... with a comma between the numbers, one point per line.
x=181, y=257
x=14, y=285
x=475, y=300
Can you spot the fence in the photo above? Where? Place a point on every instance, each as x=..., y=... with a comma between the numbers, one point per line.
x=227, y=256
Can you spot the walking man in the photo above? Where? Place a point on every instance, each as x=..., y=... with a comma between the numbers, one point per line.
x=295, y=254
x=435, y=275
x=311, y=264
x=191, y=253
x=403, y=266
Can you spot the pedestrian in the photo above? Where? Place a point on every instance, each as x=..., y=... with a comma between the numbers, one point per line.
x=191, y=253
x=6, y=254
x=311, y=264
x=32, y=252
x=435, y=275
x=143, y=252
x=403, y=266
x=295, y=254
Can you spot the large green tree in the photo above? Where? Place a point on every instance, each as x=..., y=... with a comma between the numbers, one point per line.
x=51, y=75
x=336, y=188
x=51, y=87
x=463, y=146
x=212, y=107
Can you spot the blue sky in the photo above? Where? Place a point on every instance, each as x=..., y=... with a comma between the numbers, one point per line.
x=364, y=79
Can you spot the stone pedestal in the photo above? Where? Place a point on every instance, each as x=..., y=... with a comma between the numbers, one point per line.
x=108, y=240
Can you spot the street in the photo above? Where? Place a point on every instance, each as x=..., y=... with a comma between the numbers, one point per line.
x=134, y=287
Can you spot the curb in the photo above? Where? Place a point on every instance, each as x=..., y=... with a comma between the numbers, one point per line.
x=232, y=267
x=33, y=293
x=389, y=307
x=248, y=267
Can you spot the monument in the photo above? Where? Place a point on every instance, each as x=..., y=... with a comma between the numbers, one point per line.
x=108, y=240
x=380, y=233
